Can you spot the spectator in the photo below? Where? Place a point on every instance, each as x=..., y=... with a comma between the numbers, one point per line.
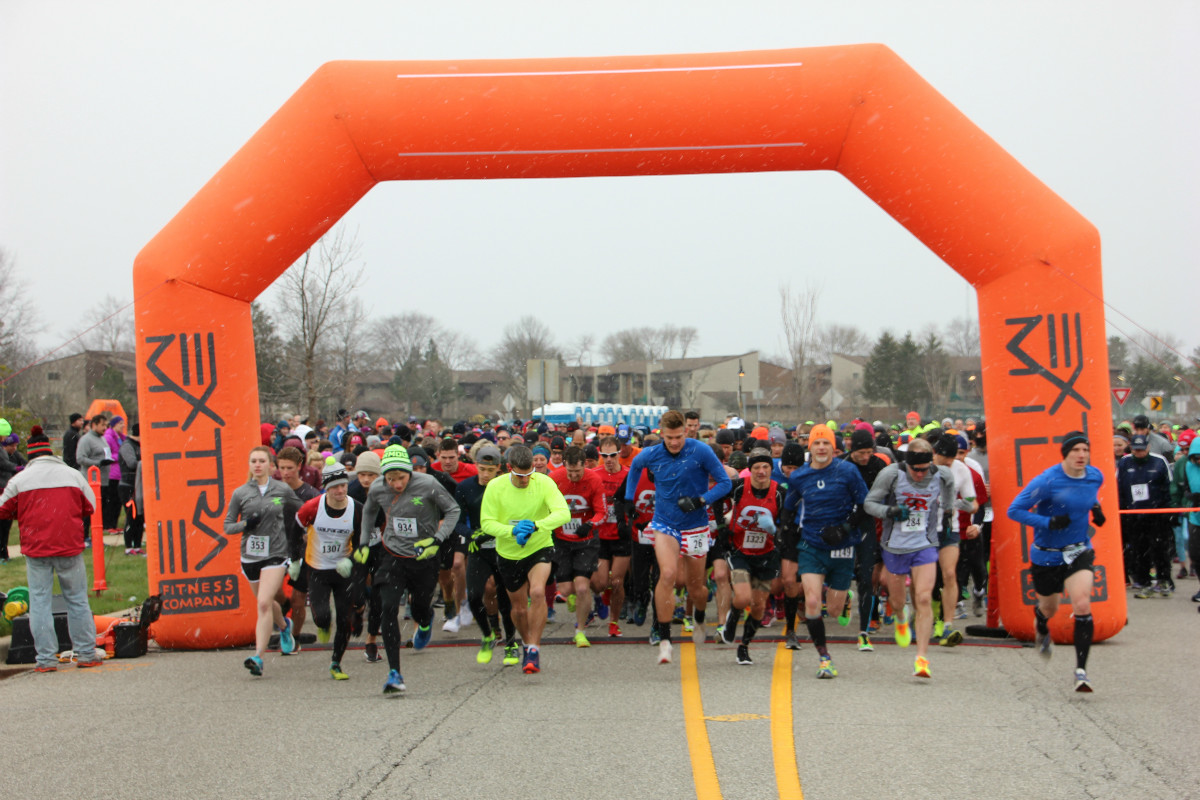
x=49, y=501
x=110, y=479
x=71, y=439
x=130, y=457
x=92, y=451
x=11, y=462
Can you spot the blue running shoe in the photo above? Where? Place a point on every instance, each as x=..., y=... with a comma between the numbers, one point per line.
x=531, y=661
x=422, y=637
x=395, y=683
x=600, y=606
x=254, y=664
x=639, y=615
x=287, y=642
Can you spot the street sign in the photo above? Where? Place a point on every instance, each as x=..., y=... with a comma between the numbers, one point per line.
x=1122, y=394
x=1152, y=402
x=508, y=403
x=832, y=399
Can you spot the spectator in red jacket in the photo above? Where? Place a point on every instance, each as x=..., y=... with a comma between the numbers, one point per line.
x=49, y=500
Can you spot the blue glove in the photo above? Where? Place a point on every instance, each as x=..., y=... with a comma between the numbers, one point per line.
x=523, y=530
x=766, y=523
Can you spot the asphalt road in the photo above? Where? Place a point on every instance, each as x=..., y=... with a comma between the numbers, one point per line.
x=994, y=722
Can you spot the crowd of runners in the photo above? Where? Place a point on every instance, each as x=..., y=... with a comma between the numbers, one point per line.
x=624, y=527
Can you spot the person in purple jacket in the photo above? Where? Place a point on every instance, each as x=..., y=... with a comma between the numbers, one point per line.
x=110, y=478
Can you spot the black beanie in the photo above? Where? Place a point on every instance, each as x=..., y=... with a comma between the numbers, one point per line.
x=1071, y=439
x=793, y=455
x=861, y=440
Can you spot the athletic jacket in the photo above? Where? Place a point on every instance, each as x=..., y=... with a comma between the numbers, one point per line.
x=48, y=500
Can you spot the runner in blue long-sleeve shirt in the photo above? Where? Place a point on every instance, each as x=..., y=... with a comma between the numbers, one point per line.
x=682, y=468
x=1062, y=498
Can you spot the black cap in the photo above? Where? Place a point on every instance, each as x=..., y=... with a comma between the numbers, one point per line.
x=557, y=443
x=75, y=417
x=861, y=440
x=725, y=436
x=946, y=446
x=1141, y=421
x=793, y=455
x=591, y=451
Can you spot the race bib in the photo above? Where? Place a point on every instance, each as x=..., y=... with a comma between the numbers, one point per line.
x=845, y=552
x=1141, y=493
x=915, y=522
x=988, y=514
x=258, y=546
x=754, y=540
x=611, y=516
x=331, y=548
x=404, y=526
x=695, y=544
x=1073, y=552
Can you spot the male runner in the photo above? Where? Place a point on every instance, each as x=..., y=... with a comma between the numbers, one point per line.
x=616, y=541
x=945, y=454
x=682, y=468
x=824, y=499
x=288, y=466
x=753, y=558
x=521, y=512
x=576, y=546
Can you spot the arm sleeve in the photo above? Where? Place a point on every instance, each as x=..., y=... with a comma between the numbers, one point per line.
x=875, y=502
x=716, y=470
x=450, y=513
x=559, y=513
x=1018, y=509
x=635, y=474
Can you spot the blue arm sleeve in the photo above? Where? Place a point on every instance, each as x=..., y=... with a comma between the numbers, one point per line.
x=717, y=471
x=635, y=475
x=1029, y=497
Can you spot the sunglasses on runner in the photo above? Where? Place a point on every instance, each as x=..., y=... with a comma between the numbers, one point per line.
x=919, y=469
x=521, y=474
x=609, y=455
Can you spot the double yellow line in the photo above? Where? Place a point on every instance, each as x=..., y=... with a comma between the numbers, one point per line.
x=783, y=744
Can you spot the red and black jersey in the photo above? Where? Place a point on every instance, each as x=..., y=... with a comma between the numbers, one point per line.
x=614, y=496
x=585, y=498
x=643, y=500
x=746, y=527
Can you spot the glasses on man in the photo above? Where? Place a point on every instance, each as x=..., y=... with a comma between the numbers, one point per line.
x=609, y=455
x=919, y=469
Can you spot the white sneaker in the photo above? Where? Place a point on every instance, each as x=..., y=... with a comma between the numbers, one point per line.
x=465, y=617
x=451, y=625
x=664, y=652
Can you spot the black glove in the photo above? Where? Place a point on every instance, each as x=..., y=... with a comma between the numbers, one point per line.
x=835, y=535
x=689, y=504
x=107, y=462
x=584, y=530
x=1059, y=521
x=252, y=519
x=897, y=513
x=1098, y=517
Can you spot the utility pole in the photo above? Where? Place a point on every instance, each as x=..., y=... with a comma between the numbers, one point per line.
x=741, y=374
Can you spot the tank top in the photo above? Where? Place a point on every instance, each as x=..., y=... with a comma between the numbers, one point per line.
x=329, y=536
x=744, y=526
x=920, y=530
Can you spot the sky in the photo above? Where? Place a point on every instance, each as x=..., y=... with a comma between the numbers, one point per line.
x=115, y=114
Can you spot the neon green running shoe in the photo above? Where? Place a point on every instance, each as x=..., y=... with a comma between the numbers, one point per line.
x=826, y=668
x=844, y=618
x=486, y=645
x=581, y=640
x=688, y=625
x=323, y=635
x=512, y=654
x=903, y=632
x=335, y=670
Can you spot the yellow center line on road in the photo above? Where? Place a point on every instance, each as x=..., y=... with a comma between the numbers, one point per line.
x=783, y=742
x=704, y=771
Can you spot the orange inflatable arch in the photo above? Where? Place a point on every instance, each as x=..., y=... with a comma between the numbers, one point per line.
x=859, y=110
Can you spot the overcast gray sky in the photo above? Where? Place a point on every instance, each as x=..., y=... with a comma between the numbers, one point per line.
x=115, y=114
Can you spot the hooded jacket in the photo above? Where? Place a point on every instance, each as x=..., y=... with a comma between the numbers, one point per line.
x=1187, y=481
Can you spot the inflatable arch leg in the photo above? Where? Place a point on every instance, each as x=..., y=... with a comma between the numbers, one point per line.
x=859, y=110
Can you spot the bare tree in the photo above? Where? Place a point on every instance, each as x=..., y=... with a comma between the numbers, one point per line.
x=314, y=304
x=962, y=336
x=687, y=338
x=1158, y=346
x=395, y=337
x=526, y=338
x=19, y=322
x=798, y=314
x=835, y=338
x=107, y=326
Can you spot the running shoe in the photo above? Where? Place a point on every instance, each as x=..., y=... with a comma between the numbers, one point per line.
x=743, y=656
x=903, y=634
x=1146, y=592
x=287, y=642
x=570, y=603
x=688, y=625
x=950, y=638
x=421, y=637
x=719, y=636
x=465, y=617
x=550, y=614
x=254, y=664
x=864, y=643
x=844, y=618
x=335, y=669
x=486, y=645
x=960, y=610
x=581, y=640
x=512, y=654
x=1183, y=573
x=873, y=626
x=921, y=668
x=698, y=634
x=394, y=683
x=451, y=625
x=47, y=668
x=680, y=613
x=371, y=652
x=664, y=652
x=1082, y=684
x=614, y=629
x=1196, y=597
x=323, y=635
x=531, y=661
x=977, y=604
x=639, y=615
x=1165, y=591
x=791, y=641
x=654, y=637
x=558, y=597
x=600, y=606
x=1045, y=645
x=826, y=669
x=95, y=661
